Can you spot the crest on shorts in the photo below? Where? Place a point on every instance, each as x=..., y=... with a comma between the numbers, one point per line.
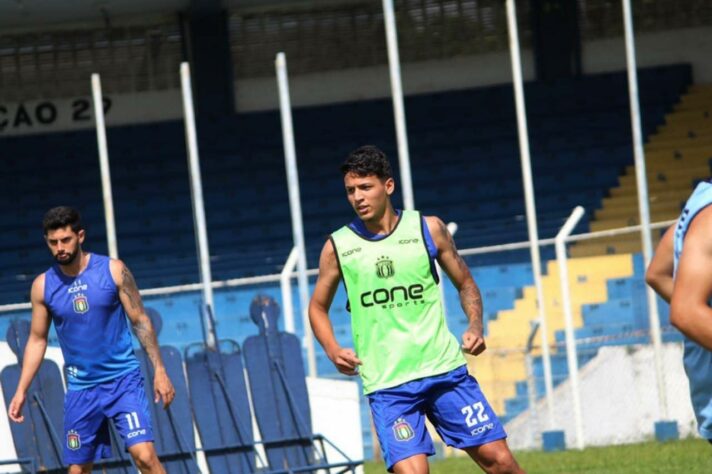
x=81, y=304
x=384, y=267
x=402, y=430
x=73, y=440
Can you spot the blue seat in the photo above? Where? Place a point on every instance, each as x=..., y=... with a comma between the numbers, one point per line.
x=172, y=427
x=38, y=441
x=220, y=407
x=280, y=399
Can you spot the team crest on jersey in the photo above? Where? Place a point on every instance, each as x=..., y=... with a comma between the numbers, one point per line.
x=402, y=430
x=384, y=267
x=80, y=304
x=73, y=440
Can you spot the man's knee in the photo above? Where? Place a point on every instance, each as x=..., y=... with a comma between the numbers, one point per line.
x=146, y=458
x=495, y=458
x=503, y=463
x=79, y=469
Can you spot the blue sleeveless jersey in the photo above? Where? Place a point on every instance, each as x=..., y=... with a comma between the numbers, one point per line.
x=91, y=324
x=697, y=360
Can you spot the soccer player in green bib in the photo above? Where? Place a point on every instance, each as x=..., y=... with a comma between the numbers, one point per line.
x=410, y=364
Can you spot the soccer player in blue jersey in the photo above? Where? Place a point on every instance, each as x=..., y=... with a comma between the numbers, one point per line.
x=88, y=297
x=681, y=273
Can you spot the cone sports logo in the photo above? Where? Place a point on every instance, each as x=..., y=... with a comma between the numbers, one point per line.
x=73, y=441
x=402, y=430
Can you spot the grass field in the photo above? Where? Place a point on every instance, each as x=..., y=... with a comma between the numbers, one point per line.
x=691, y=456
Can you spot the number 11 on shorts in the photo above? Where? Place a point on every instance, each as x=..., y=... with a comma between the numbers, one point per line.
x=132, y=420
x=475, y=414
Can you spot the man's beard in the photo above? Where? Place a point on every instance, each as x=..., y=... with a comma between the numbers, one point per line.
x=68, y=261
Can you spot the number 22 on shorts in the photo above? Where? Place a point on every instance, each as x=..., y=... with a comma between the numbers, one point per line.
x=474, y=414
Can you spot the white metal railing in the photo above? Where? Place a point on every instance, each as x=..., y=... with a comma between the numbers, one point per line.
x=198, y=204
x=571, y=356
x=529, y=197
x=276, y=277
x=295, y=206
x=285, y=285
x=107, y=194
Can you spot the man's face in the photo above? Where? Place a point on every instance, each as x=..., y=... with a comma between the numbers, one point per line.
x=368, y=195
x=64, y=244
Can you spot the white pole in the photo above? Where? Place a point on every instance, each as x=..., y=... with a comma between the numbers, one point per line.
x=571, y=353
x=641, y=179
x=285, y=284
x=196, y=190
x=452, y=228
x=398, y=107
x=104, y=166
x=290, y=158
x=531, y=385
x=529, y=201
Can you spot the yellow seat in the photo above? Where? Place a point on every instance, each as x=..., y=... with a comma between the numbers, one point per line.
x=500, y=367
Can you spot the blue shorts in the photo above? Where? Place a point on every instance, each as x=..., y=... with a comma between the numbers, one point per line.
x=698, y=366
x=454, y=404
x=87, y=413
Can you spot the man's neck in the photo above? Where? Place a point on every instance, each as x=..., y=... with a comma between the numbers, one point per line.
x=77, y=266
x=384, y=224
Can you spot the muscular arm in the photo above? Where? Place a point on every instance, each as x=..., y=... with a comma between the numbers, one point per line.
x=35, y=349
x=660, y=270
x=345, y=360
x=689, y=309
x=460, y=276
x=133, y=305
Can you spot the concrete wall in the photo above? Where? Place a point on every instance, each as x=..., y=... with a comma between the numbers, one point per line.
x=619, y=400
x=683, y=45
x=689, y=45
x=77, y=113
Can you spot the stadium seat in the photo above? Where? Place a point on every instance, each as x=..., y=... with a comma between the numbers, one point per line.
x=279, y=396
x=221, y=409
x=173, y=427
x=38, y=441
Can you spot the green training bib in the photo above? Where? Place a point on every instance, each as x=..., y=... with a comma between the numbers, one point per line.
x=398, y=325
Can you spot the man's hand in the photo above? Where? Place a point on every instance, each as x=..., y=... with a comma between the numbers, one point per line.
x=473, y=342
x=15, y=410
x=345, y=361
x=163, y=388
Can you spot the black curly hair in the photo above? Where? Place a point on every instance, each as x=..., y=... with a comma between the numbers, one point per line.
x=366, y=161
x=62, y=216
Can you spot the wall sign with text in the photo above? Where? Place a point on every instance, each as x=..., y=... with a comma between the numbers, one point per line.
x=47, y=114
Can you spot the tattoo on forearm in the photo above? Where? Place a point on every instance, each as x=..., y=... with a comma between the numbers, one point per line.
x=147, y=336
x=470, y=297
x=129, y=288
x=471, y=301
x=451, y=244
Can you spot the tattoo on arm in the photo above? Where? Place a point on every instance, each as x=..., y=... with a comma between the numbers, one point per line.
x=129, y=288
x=471, y=302
x=147, y=336
x=470, y=297
x=142, y=326
x=451, y=246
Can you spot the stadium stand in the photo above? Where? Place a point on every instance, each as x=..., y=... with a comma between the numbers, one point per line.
x=465, y=168
x=677, y=155
x=502, y=366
